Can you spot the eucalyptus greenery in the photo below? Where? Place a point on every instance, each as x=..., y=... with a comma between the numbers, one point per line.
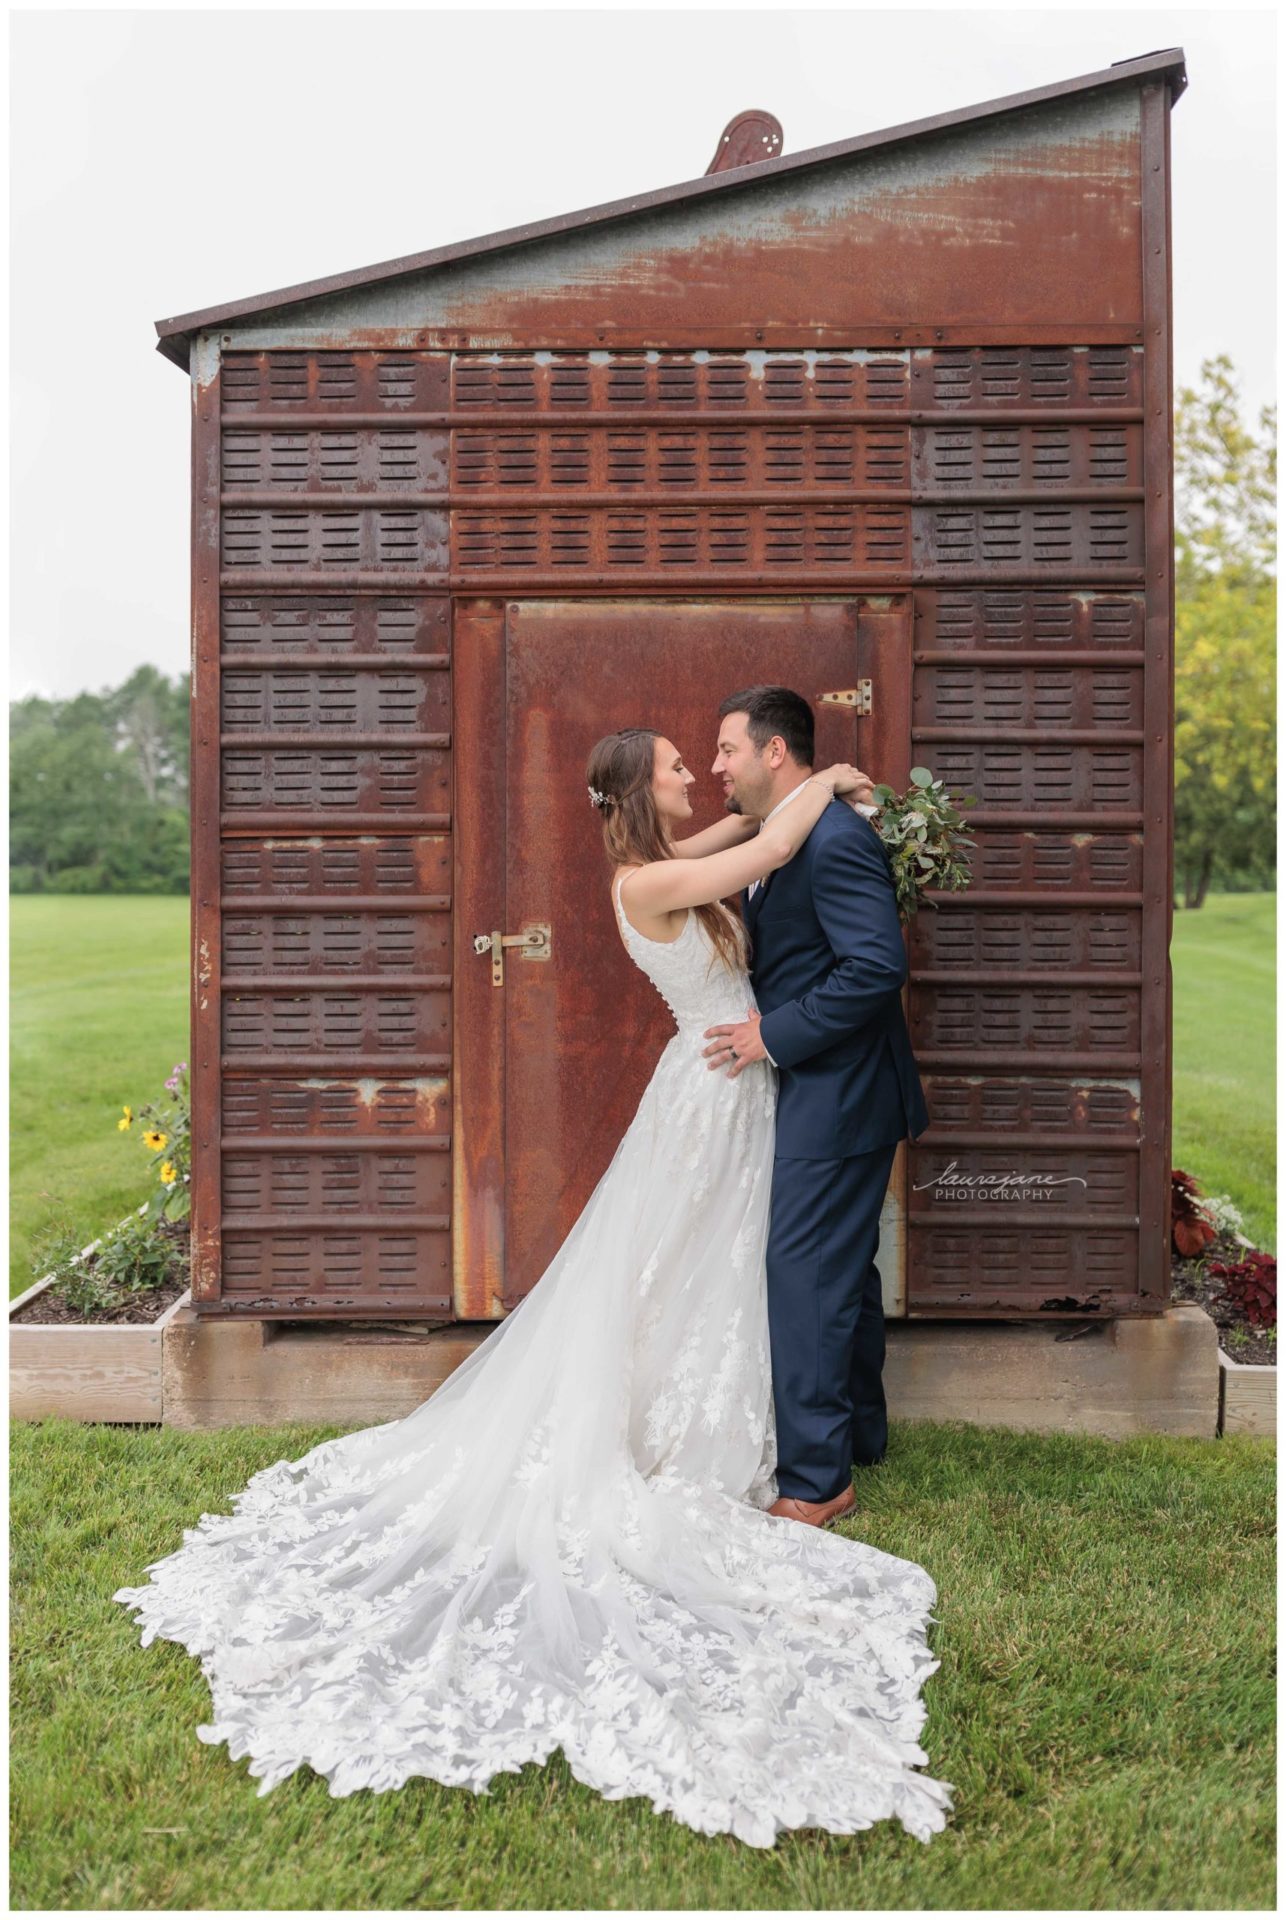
x=926, y=840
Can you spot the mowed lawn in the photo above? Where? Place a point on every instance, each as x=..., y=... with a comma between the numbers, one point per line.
x=1104, y=1707
x=1224, y=961
x=100, y=1015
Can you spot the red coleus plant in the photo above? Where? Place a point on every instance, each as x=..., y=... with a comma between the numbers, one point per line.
x=1190, y=1230
x=1251, y=1285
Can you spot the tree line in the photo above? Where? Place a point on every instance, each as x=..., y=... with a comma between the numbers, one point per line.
x=99, y=783
x=1225, y=682
x=98, y=789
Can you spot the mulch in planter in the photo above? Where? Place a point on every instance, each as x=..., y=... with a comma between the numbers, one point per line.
x=1189, y=1280
x=52, y=1309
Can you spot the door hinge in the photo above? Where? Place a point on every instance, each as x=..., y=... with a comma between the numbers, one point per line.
x=858, y=697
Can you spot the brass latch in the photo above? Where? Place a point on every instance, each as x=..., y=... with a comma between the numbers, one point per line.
x=858, y=697
x=534, y=943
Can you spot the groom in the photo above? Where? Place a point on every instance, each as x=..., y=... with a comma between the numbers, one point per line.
x=827, y=969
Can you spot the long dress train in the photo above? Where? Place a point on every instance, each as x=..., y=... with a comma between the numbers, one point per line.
x=566, y=1545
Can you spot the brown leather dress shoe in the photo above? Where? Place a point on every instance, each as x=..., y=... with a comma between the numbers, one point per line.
x=815, y=1513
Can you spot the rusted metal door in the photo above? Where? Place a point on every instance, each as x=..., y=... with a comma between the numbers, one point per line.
x=551, y=1064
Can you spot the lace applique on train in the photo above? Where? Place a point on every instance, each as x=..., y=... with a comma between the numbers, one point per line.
x=565, y=1547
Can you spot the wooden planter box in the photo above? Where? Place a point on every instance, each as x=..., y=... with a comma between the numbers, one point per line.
x=1247, y=1398
x=86, y=1372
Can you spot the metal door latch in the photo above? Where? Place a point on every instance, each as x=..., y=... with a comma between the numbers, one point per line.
x=858, y=697
x=534, y=943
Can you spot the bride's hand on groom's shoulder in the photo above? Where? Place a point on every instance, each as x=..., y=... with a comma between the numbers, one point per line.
x=852, y=786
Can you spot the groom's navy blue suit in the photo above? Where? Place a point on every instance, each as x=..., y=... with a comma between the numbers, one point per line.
x=828, y=966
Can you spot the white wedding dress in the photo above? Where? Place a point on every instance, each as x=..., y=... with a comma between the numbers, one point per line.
x=565, y=1546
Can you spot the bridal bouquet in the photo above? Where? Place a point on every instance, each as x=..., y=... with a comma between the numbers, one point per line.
x=925, y=838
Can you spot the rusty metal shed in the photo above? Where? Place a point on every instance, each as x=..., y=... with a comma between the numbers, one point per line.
x=889, y=420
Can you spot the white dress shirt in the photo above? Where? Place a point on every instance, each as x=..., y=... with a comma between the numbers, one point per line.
x=861, y=807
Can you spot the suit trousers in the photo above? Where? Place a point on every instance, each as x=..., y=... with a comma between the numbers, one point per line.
x=826, y=1319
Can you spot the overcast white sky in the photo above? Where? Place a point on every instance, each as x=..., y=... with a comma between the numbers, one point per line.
x=167, y=160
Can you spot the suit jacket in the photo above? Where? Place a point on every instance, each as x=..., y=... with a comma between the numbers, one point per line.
x=828, y=965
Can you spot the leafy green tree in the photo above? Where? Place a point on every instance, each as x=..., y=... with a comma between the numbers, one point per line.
x=98, y=790
x=1225, y=639
x=150, y=713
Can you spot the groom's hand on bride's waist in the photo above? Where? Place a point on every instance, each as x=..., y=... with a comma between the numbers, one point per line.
x=734, y=1047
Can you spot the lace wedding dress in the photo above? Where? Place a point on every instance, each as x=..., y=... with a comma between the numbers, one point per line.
x=565, y=1547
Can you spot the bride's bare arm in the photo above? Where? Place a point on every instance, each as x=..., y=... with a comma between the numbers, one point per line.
x=664, y=886
x=732, y=831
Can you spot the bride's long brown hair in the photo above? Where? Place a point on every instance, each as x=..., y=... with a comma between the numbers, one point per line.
x=619, y=774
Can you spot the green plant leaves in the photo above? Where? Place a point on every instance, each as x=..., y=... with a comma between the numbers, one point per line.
x=923, y=836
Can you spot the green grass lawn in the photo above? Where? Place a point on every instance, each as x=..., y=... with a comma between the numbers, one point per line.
x=1104, y=1708
x=99, y=1016
x=1223, y=959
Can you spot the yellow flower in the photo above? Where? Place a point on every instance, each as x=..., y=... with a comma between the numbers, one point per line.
x=153, y=1140
x=169, y=1174
x=123, y=1126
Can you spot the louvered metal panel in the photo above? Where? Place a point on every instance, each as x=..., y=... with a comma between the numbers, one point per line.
x=811, y=381
x=330, y=762
x=1028, y=992
x=752, y=463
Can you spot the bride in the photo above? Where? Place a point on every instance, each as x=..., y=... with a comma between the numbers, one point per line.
x=567, y=1545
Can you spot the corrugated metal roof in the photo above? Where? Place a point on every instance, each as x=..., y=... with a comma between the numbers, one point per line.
x=175, y=333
